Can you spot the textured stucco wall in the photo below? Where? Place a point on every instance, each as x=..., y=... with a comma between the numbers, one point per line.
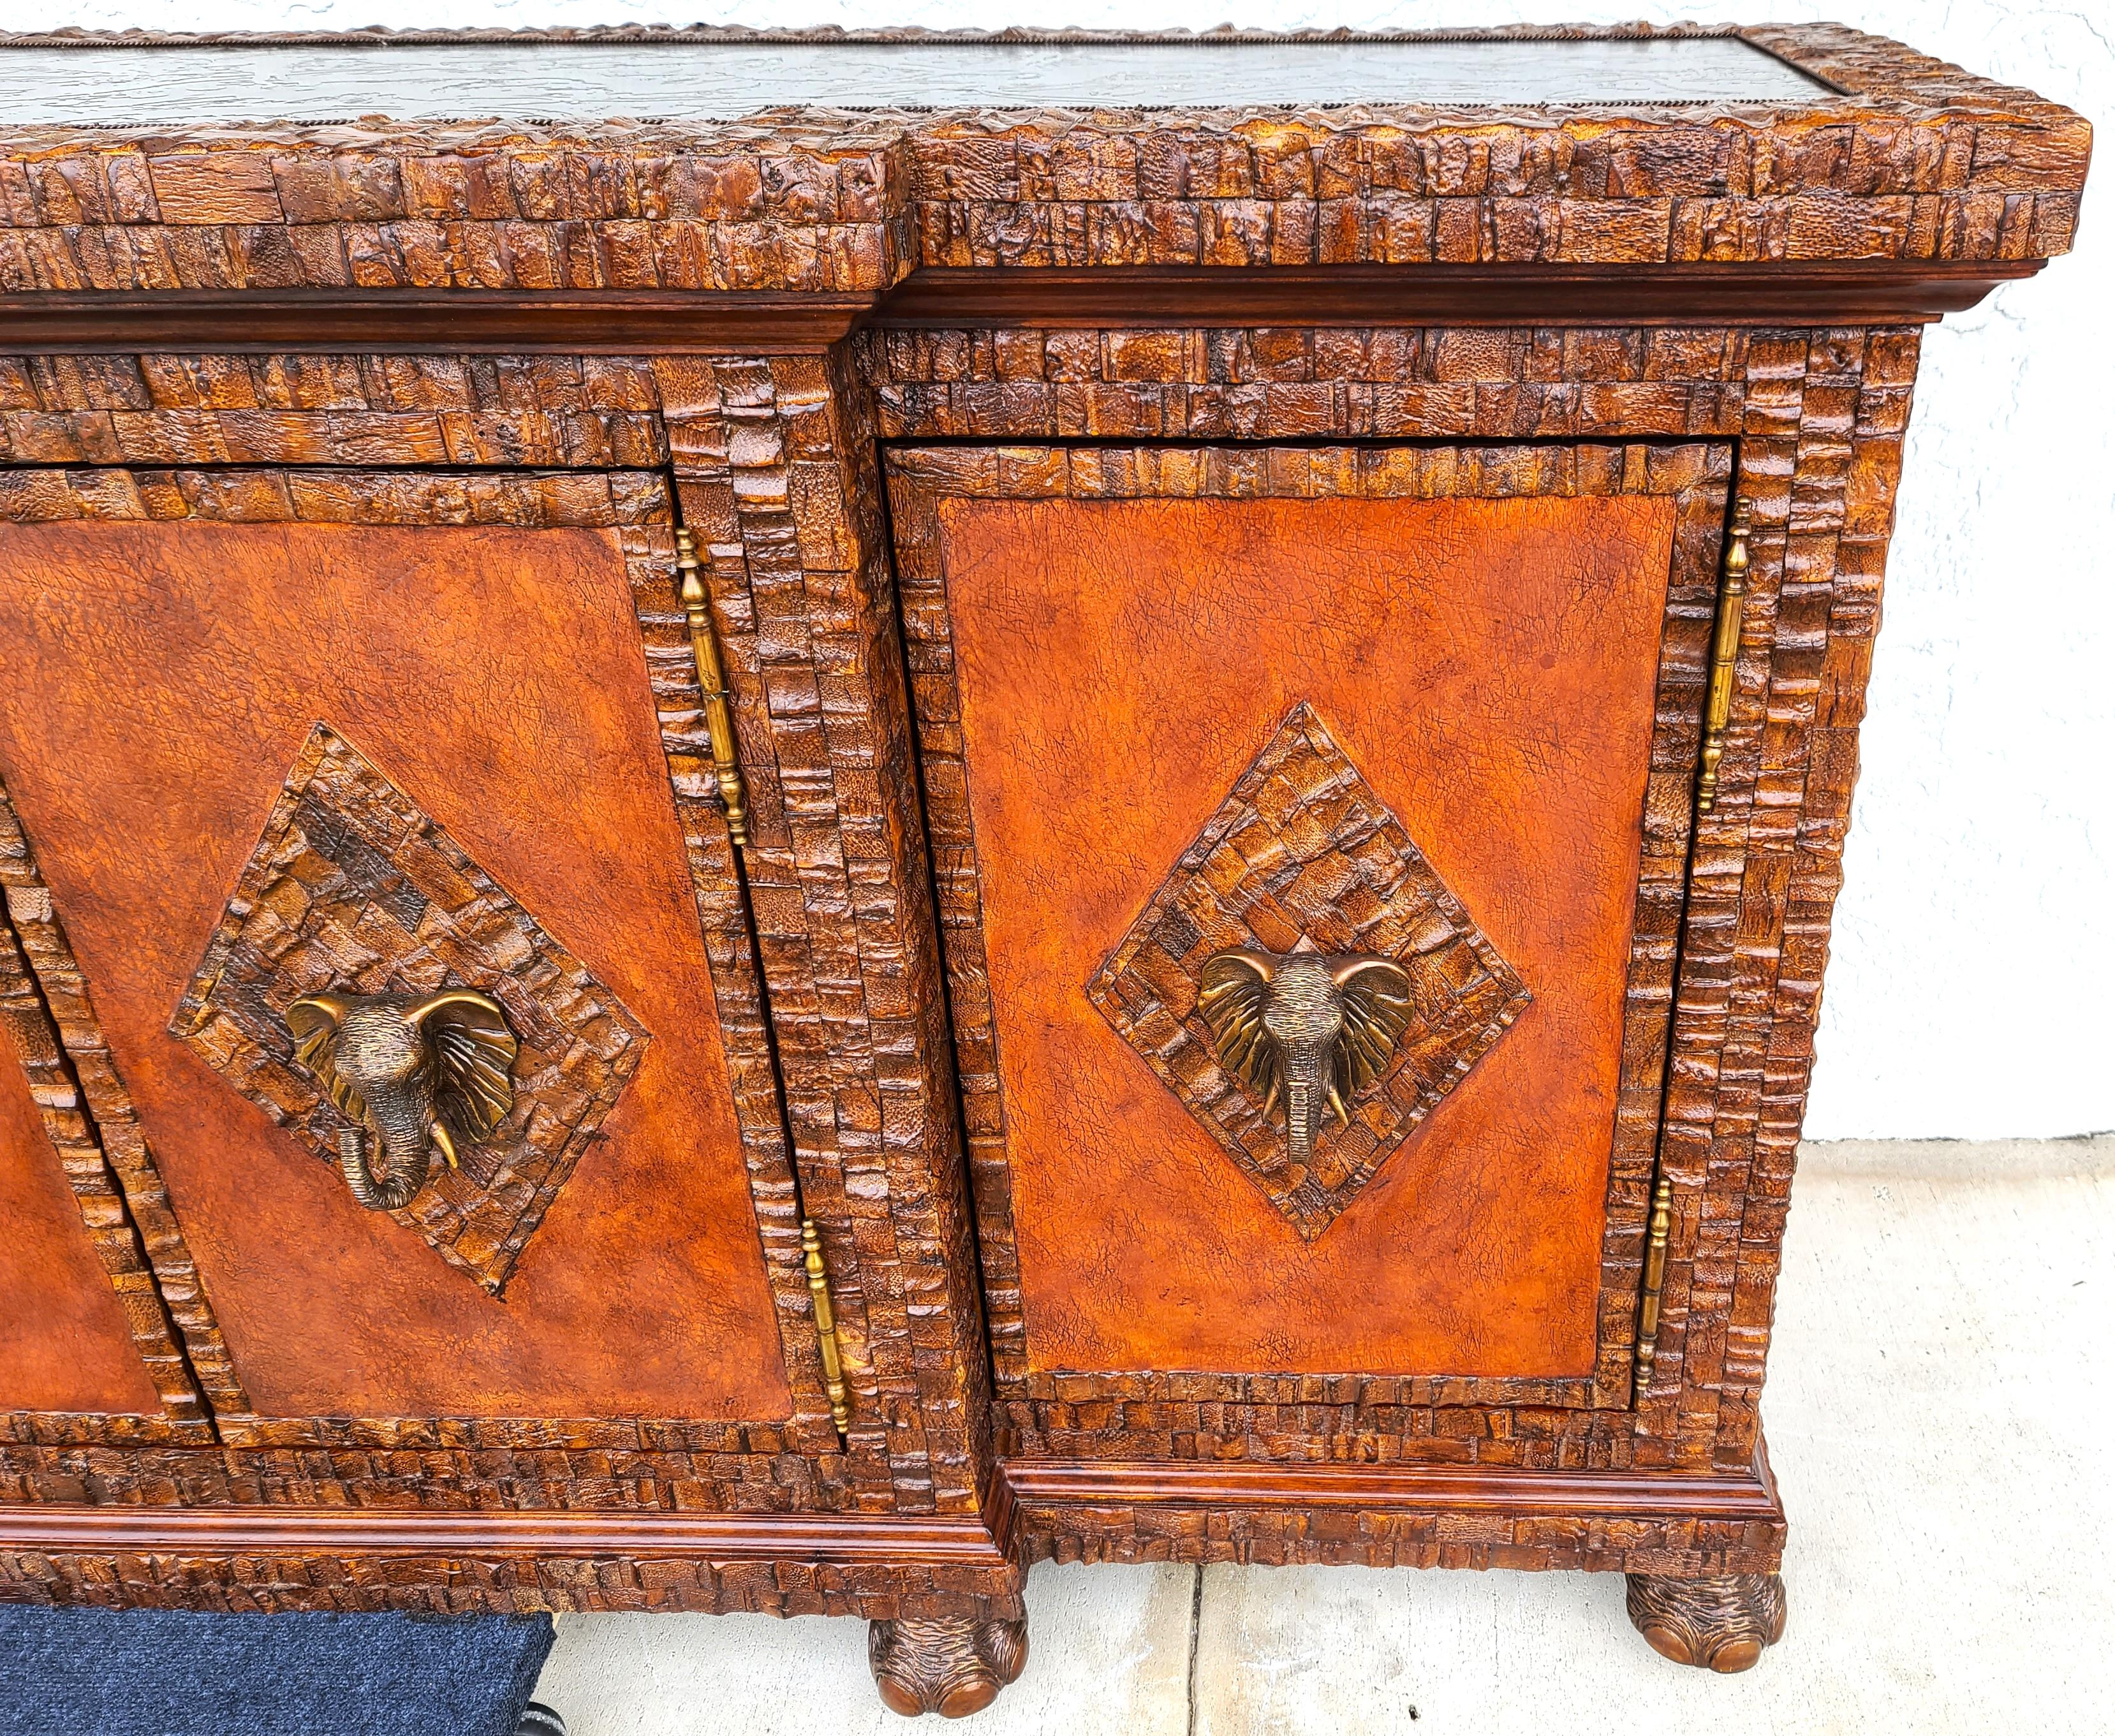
x=1976, y=934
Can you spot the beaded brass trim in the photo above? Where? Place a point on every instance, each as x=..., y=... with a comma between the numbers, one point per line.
x=1725, y=647
x=712, y=684
x=826, y=1329
x=1656, y=1241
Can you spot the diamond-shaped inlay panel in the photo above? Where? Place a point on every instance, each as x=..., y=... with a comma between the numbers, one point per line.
x=352, y=889
x=1303, y=855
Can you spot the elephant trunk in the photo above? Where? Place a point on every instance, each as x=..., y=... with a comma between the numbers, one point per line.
x=408, y=1158
x=1306, y=1092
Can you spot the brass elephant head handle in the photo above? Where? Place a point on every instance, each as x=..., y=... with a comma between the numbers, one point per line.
x=417, y=1071
x=1305, y=1029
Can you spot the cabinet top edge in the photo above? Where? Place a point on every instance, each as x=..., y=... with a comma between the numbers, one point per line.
x=1813, y=143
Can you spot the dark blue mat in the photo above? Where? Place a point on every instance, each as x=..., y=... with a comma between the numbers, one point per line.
x=180, y=1672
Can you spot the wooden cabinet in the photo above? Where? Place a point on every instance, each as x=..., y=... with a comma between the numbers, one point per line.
x=770, y=866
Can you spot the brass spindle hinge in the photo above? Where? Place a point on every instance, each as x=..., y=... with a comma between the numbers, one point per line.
x=712, y=682
x=1656, y=1237
x=826, y=1328
x=1725, y=648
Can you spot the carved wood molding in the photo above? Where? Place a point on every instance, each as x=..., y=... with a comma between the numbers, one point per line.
x=775, y=469
x=1774, y=292
x=735, y=323
x=430, y=322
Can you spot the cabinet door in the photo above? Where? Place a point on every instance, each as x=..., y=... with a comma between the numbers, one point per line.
x=1408, y=733
x=290, y=749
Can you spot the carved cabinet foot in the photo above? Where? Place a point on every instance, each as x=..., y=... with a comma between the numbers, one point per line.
x=1721, y=1623
x=953, y=1666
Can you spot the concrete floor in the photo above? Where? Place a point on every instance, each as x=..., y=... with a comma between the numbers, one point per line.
x=1941, y=1414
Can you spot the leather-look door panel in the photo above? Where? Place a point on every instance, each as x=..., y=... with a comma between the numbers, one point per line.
x=1380, y=705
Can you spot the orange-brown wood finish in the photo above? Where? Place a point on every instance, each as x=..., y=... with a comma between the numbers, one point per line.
x=1489, y=665
x=1127, y=536
x=498, y=675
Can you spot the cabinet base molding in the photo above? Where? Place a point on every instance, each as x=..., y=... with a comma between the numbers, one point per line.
x=1401, y=1516
x=1676, y=1529
x=1722, y=1622
x=953, y=1666
x=469, y=1562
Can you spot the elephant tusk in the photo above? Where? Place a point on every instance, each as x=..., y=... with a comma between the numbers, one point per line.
x=447, y=1146
x=1337, y=1103
x=1270, y=1099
